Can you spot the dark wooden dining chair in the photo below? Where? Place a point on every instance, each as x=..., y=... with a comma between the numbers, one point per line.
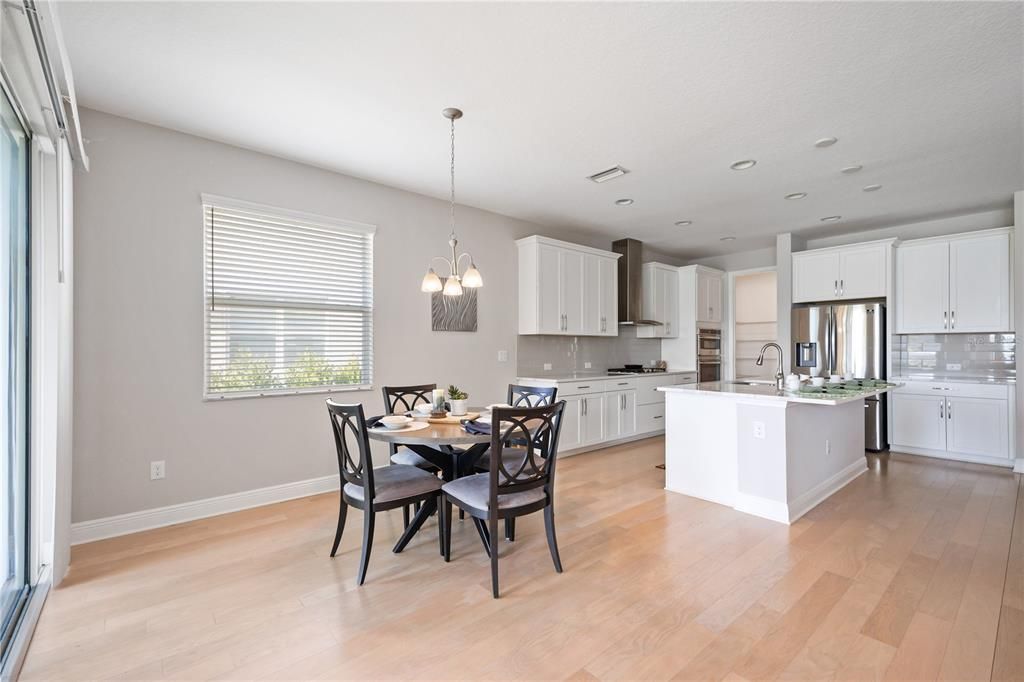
x=399, y=400
x=371, y=490
x=531, y=396
x=520, y=396
x=521, y=479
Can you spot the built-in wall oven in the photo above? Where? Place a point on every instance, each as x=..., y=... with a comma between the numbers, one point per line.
x=709, y=355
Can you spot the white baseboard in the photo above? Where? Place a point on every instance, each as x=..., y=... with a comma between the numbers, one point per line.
x=123, y=524
x=816, y=495
x=955, y=456
x=773, y=510
x=609, y=443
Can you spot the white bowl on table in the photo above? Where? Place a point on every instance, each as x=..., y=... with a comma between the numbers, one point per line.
x=395, y=421
x=423, y=409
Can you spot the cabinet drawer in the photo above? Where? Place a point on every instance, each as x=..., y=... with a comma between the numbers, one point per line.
x=950, y=389
x=647, y=390
x=650, y=418
x=566, y=388
x=620, y=384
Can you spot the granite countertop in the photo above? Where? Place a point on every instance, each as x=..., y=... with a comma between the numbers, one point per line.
x=598, y=375
x=770, y=393
x=959, y=380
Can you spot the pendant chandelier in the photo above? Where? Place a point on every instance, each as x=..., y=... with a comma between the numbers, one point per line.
x=453, y=284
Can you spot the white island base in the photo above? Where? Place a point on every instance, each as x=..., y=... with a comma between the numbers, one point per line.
x=760, y=452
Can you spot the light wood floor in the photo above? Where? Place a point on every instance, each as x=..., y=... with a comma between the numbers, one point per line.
x=906, y=574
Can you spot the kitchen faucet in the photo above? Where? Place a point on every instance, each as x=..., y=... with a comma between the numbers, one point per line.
x=780, y=380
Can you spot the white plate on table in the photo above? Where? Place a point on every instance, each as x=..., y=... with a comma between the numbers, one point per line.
x=411, y=426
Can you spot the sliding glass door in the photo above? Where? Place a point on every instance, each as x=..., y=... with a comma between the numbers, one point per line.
x=14, y=217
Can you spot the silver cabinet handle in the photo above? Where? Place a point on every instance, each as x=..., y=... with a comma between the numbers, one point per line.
x=583, y=404
x=623, y=383
x=658, y=416
x=583, y=387
x=835, y=287
x=949, y=410
x=944, y=319
x=942, y=409
x=952, y=319
x=842, y=287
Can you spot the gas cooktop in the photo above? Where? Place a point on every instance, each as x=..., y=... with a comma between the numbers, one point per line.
x=636, y=369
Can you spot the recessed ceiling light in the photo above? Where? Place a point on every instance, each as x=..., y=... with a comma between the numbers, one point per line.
x=728, y=239
x=851, y=169
x=623, y=202
x=609, y=174
x=683, y=223
x=872, y=188
x=826, y=142
x=743, y=165
x=831, y=218
x=796, y=195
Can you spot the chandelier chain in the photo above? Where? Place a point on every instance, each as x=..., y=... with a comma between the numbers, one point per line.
x=452, y=169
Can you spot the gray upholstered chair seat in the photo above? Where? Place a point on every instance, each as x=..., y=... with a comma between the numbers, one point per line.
x=396, y=482
x=409, y=458
x=475, y=492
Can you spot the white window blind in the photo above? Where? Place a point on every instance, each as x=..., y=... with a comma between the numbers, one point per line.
x=288, y=299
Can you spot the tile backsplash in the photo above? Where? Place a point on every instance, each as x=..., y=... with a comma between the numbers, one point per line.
x=954, y=356
x=571, y=353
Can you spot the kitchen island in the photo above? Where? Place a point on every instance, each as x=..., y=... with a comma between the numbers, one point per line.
x=763, y=451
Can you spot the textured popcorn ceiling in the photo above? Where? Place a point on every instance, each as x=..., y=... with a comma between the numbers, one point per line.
x=926, y=96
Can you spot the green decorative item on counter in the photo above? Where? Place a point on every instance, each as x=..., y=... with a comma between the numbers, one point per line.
x=456, y=400
x=456, y=393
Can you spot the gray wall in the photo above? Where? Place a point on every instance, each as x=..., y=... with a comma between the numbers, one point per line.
x=139, y=320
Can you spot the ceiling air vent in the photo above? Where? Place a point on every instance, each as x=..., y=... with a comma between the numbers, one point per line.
x=610, y=174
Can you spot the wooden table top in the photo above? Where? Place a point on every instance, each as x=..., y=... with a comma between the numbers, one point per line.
x=434, y=434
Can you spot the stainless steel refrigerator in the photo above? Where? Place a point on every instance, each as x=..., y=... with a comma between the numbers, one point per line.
x=844, y=339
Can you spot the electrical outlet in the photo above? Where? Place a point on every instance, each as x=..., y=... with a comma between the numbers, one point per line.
x=759, y=430
x=547, y=366
x=502, y=356
x=587, y=365
x=157, y=470
x=828, y=447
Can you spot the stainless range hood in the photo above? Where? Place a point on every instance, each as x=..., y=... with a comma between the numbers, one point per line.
x=631, y=284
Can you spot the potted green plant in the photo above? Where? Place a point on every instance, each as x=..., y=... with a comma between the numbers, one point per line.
x=457, y=400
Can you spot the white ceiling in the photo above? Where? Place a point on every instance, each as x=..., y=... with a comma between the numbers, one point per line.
x=926, y=96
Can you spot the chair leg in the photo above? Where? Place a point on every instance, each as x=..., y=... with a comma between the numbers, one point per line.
x=462, y=514
x=494, y=555
x=405, y=517
x=364, y=560
x=446, y=506
x=417, y=505
x=342, y=515
x=440, y=524
x=481, y=530
x=549, y=527
x=510, y=529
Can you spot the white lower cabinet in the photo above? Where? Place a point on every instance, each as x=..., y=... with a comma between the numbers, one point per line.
x=955, y=420
x=620, y=414
x=569, y=436
x=919, y=421
x=609, y=409
x=978, y=426
x=592, y=426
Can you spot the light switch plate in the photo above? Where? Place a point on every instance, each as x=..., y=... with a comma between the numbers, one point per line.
x=157, y=470
x=587, y=365
x=502, y=356
x=547, y=366
x=759, y=430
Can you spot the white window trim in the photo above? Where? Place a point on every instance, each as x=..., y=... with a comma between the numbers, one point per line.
x=315, y=220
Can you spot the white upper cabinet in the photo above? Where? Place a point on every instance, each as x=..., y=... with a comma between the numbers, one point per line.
x=815, y=276
x=922, y=287
x=979, y=284
x=566, y=289
x=954, y=284
x=709, y=295
x=845, y=272
x=660, y=301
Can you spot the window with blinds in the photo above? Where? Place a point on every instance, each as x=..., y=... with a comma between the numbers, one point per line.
x=289, y=301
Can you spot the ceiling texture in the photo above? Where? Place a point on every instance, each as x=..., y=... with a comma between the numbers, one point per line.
x=927, y=97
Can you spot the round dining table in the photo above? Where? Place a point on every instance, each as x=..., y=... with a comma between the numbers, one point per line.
x=449, y=447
